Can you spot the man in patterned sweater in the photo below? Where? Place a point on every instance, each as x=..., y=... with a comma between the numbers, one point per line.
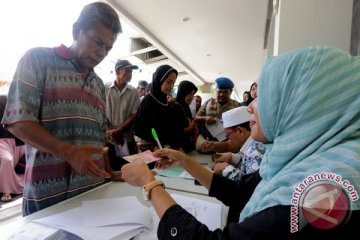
x=247, y=160
x=56, y=105
x=236, y=165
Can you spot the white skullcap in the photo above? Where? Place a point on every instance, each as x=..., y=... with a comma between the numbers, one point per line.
x=235, y=116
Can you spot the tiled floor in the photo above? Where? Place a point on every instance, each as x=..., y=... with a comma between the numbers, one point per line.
x=10, y=211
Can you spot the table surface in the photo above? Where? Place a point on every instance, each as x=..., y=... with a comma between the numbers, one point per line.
x=188, y=185
x=121, y=189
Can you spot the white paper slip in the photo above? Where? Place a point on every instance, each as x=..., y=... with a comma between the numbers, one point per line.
x=36, y=231
x=186, y=175
x=217, y=130
x=147, y=156
x=72, y=221
x=122, y=150
x=205, y=212
x=124, y=210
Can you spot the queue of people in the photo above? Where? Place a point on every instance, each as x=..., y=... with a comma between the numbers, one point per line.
x=275, y=139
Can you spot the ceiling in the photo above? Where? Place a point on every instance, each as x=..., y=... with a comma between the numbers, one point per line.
x=203, y=39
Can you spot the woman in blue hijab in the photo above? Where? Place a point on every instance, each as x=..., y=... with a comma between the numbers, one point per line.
x=309, y=179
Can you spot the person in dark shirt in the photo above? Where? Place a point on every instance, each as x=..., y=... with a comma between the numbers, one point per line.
x=156, y=112
x=185, y=95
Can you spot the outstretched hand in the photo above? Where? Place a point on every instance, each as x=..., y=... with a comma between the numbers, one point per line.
x=169, y=157
x=207, y=146
x=137, y=173
x=80, y=158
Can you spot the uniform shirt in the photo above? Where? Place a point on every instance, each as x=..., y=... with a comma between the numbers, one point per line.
x=214, y=109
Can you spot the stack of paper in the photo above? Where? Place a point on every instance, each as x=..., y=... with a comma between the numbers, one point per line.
x=205, y=212
x=36, y=231
x=117, y=218
x=217, y=130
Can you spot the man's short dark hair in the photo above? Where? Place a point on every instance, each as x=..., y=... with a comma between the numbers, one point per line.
x=245, y=125
x=101, y=12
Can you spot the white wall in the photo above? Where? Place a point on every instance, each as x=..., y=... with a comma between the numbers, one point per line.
x=302, y=23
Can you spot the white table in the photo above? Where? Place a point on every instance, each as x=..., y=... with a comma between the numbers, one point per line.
x=188, y=185
x=109, y=190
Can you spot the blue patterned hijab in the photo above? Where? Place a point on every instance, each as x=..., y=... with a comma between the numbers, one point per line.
x=309, y=108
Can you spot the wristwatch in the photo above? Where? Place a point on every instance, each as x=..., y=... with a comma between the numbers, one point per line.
x=148, y=187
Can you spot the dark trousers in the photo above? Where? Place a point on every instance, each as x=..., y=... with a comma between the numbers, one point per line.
x=117, y=162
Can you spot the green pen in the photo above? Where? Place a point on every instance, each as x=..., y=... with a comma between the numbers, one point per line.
x=156, y=137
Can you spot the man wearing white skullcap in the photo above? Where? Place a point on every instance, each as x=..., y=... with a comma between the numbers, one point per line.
x=247, y=160
x=235, y=165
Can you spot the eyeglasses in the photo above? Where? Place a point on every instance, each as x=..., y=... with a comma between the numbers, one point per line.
x=230, y=131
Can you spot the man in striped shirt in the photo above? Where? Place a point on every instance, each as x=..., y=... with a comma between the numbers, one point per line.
x=56, y=105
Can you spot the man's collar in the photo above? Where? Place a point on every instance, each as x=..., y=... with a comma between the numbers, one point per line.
x=63, y=52
x=248, y=141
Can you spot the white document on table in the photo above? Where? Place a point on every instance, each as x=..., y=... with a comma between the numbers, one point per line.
x=120, y=218
x=205, y=212
x=124, y=210
x=186, y=175
x=35, y=231
x=217, y=130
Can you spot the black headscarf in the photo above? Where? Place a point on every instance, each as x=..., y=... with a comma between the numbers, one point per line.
x=185, y=87
x=250, y=99
x=159, y=76
x=155, y=112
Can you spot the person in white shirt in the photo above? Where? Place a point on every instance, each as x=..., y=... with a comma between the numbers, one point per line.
x=122, y=102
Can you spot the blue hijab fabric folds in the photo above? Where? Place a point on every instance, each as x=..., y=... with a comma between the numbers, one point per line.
x=309, y=108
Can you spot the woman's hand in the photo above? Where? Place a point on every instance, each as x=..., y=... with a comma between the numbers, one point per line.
x=170, y=157
x=210, y=120
x=137, y=173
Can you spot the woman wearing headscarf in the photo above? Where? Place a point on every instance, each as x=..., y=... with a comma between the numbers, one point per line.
x=309, y=179
x=184, y=97
x=252, y=94
x=12, y=159
x=155, y=112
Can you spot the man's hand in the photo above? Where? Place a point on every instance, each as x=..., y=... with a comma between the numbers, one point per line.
x=116, y=176
x=210, y=120
x=218, y=167
x=81, y=159
x=116, y=136
x=207, y=146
